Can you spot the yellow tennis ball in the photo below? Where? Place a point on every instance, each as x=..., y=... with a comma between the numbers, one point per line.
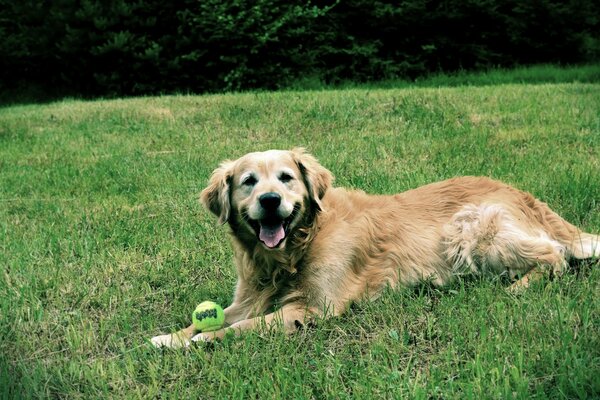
x=208, y=316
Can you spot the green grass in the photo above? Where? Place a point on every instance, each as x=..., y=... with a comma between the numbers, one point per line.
x=103, y=244
x=533, y=74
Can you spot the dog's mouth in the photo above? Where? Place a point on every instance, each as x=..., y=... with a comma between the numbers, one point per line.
x=272, y=230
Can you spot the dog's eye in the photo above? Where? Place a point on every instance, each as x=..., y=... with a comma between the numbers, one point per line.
x=249, y=181
x=285, y=178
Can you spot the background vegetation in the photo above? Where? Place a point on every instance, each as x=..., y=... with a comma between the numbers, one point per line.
x=124, y=47
x=103, y=243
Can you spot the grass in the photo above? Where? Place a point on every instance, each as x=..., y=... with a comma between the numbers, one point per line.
x=532, y=74
x=103, y=245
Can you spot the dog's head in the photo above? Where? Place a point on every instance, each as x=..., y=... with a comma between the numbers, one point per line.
x=265, y=196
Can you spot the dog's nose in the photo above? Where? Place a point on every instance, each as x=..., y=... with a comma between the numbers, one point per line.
x=270, y=201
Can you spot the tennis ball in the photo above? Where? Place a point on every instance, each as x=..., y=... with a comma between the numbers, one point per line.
x=208, y=316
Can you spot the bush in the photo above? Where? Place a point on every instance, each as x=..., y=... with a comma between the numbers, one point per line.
x=123, y=47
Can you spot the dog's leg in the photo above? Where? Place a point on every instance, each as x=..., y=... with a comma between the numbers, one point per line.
x=489, y=238
x=533, y=275
x=247, y=302
x=234, y=313
x=290, y=316
x=550, y=261
x=244, y=304
x=175, y=340
x=547, y=258
x=584, y=245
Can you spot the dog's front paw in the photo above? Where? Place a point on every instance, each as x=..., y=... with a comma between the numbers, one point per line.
x=173, y=341
x=201, y=337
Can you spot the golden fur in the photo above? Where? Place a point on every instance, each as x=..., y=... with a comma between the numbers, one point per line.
x=341, y=246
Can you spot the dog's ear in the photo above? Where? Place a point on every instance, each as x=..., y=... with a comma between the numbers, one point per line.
x=216, y=195
x=316, y=177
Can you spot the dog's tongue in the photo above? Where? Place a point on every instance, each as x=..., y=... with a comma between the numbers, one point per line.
x=271, y=235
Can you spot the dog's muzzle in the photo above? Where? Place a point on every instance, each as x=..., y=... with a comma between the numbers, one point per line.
x=272, y=228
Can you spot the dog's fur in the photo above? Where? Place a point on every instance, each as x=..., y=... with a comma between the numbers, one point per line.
x=310, y=249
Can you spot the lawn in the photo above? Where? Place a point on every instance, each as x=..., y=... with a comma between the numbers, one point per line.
x=103, y=244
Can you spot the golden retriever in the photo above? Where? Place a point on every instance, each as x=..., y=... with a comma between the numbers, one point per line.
x=311, y=249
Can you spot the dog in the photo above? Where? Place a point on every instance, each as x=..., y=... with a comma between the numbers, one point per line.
x=309, y=249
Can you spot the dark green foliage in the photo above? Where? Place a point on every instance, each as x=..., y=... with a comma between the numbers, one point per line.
x=122, y=47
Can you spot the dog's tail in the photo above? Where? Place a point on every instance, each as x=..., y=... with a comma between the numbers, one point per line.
x=578, y=244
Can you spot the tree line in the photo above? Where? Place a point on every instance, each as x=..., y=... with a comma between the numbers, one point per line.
x=131, y=47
